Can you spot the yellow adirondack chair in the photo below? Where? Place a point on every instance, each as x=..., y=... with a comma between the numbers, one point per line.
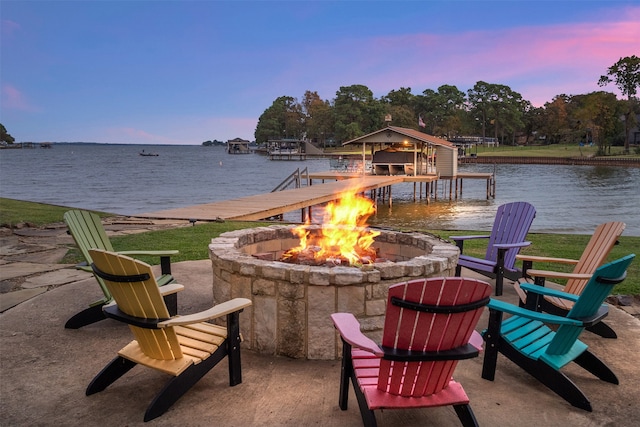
x=87, y=231
x=595, y=254
x=185, y=347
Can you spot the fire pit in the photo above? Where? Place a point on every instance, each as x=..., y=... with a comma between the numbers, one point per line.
x=292, y=302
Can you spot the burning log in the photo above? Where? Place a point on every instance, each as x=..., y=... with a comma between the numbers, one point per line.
x=343, y=239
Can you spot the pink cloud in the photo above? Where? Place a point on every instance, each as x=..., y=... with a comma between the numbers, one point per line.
x=9, y=27
x=13, y=99
x=538, y=62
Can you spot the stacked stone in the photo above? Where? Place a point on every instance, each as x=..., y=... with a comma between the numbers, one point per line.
x=292, y=303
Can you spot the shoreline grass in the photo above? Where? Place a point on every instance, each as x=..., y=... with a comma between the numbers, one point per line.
x=192, y=242
x=552, y=150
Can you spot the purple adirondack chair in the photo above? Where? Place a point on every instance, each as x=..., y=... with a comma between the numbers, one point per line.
x=510, y=228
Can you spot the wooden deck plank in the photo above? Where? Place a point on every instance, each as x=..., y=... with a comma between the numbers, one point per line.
x=262, y=206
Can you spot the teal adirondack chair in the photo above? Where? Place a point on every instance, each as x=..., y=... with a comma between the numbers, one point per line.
x=88, y=233
x=526, y=340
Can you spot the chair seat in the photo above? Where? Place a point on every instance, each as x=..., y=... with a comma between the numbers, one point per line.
x=532, y=338
x=367, y=371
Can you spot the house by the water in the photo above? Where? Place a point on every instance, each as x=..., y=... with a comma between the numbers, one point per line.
x=238, y=146
x=401, y=151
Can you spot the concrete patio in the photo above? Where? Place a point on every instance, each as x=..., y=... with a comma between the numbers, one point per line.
x=44, y=370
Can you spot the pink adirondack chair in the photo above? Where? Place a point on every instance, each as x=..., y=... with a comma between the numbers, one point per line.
x=429, y=326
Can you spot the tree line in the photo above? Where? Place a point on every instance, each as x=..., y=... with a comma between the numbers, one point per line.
x=487, y=110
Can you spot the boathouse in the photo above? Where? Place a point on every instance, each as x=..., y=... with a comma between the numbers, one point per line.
x=238, y=146
x=402, y=151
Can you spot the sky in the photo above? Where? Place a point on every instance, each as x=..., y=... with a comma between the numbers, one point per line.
x=185, y=72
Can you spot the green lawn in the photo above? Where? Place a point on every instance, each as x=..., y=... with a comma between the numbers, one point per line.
x=192, y=242
x=554, y=150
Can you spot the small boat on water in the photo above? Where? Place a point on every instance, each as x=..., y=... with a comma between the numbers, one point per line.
x=143, y=153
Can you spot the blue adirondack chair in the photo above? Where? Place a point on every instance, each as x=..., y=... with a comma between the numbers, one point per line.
x=510, y=228
x=525, y=339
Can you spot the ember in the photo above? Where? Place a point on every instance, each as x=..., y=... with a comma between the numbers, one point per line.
x=343, y=239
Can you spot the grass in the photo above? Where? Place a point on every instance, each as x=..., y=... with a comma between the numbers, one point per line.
x=553, y=150
x=563, y=246
x=192, y=242
x=14, y=212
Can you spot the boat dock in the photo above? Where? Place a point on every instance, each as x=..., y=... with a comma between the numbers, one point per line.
x=277, y=203
x=261, y=206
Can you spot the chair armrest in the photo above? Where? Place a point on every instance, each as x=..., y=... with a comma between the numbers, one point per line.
x=349, y=329
x=558, y=274
x=219, y=310
x=533, y=258
x=512, y=245
x=505, y=307
x=541, y=290
x=171, y=288
x=469, y=237
x=151, y=253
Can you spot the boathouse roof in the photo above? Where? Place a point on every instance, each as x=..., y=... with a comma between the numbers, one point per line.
x=395, y=134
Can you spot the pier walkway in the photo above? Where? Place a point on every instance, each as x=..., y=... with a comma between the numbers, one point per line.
x=277, y=203
x=269, y=205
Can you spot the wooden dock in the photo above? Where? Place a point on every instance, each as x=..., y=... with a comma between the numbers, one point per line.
x=275, y=204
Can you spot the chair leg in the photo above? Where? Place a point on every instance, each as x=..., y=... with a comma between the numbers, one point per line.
x=165, y=265
x=554, y=380
x=346, y=370
x=492, y=338
x=466, y=416
x=171, y=301
x=500, y=272
x=178, y=386
x=597, y=367
x=233, y=348
x=368, y=416
x=86, y=317
x=109, y=374
x=603, y=330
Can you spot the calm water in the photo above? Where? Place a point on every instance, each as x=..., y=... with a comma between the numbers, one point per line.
x=114, y=178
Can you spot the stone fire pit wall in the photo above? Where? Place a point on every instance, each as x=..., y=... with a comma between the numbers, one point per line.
x=292, y=303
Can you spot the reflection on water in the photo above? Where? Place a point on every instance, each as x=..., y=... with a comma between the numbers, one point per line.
x=439, y=215
x=114, y=178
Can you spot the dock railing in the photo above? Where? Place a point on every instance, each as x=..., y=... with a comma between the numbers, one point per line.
x=295, y=180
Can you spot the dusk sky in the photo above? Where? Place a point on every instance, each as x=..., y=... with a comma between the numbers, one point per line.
x=184, y=72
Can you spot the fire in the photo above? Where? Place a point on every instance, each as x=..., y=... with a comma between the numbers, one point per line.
x=344, y=235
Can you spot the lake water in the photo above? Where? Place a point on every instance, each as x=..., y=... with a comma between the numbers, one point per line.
x=114, y=178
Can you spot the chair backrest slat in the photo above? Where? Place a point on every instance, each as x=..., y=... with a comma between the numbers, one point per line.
x=589, y=302
x=88, y=233
x=410, y=329
x=139, y=299
x=600, y=245
x=511, y=225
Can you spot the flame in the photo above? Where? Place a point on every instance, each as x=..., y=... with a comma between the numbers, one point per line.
x=344, y=234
